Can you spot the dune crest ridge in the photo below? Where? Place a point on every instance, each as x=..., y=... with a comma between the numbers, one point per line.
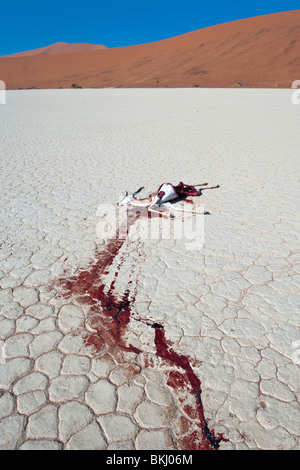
x=258, y=52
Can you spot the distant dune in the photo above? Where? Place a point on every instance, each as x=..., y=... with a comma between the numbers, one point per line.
x=60, y=48
x=259, y=52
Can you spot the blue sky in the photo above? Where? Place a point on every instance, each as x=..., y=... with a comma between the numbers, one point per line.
x=30, y=24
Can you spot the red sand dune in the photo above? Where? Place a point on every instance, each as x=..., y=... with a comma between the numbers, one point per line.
x=261, y=52
x=60, y=48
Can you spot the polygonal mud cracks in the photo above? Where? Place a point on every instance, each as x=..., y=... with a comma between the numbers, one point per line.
x=43, y=424
x=70, y=317
x=11, y=431
x=88, y=438
x=231, y=306
x=129, y=397
x=118, y=427
x=67, y=387
x=73, y=416
x=25, y=296
x=101, y=397
x=151, y=415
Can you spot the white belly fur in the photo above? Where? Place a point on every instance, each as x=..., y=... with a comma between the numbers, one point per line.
x=169, y=195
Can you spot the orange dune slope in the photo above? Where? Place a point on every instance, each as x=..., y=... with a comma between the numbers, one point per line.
x=260, y=52
x=60, y=48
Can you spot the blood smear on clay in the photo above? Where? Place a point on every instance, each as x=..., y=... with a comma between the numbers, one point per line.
x=109, y=316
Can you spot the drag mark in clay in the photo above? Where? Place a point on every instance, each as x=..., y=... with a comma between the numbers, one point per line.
x=109, y=316
x=186, y=380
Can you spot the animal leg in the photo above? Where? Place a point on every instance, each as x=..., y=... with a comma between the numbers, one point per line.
x=212, y=187
x=183, y=210
x=190, y=212
x=162, y=214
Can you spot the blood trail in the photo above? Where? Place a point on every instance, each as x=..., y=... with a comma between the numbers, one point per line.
x=109, y=315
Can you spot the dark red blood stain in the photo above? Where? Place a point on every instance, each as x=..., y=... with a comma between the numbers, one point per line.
x=184, y=425
x=109, y=317
x=188, y=380
x=93, y=341
x=190, y=411
x=193, y=441
x=153, y=215
x=186, y=190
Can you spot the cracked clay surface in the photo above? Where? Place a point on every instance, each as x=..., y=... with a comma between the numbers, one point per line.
x=206, y=335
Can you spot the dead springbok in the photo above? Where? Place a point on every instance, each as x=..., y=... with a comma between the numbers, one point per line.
x=165, y=193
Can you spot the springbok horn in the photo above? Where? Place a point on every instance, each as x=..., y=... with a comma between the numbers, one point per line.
x=139, y=190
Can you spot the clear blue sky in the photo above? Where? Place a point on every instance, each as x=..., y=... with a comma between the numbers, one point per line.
x=26, y=25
